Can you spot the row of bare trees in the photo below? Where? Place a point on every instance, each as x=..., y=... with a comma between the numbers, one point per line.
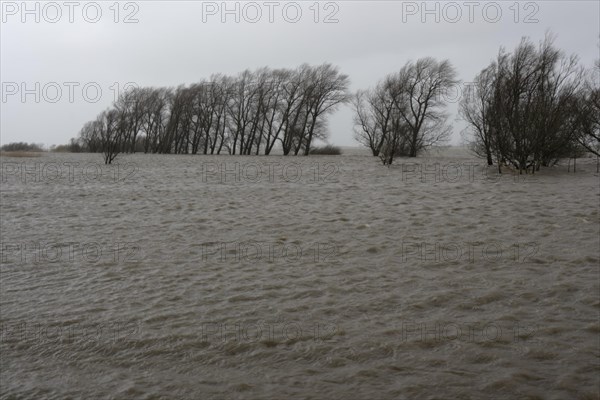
x=404, y=114
x=527, y=109
x=246, y=114
x=532, y=107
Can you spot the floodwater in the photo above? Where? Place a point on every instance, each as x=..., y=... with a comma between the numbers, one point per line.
x=211, y=277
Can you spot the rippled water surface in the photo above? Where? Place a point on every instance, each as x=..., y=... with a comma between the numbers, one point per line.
x=304, y=278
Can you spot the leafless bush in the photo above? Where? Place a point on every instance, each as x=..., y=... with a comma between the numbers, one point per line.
x=328, y=150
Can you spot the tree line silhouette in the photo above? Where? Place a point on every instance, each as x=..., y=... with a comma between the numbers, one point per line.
x=528, y=108
x=246, y=114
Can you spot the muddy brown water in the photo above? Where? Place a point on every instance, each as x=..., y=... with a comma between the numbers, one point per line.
x=300, y=278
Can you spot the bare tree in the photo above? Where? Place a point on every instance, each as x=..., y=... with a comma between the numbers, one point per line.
x=374, y=116
x=219, y=94
x=155, y=117
x=476, y=109
x=418, y=99
x=404, y=114
x=130, y=105
x=327, y=90
x=276, y=109
x=89, y=136
x=395, y=142
x=587, y=112
x=556, y=95
x=240, y=110
x=295, y=115
x=110, y=134
x=178, y=122
x=530, y=98
x=366, y=130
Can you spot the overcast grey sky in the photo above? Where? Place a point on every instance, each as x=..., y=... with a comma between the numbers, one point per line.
x=52, y=68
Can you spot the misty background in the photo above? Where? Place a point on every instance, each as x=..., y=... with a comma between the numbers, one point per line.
x=178, y=42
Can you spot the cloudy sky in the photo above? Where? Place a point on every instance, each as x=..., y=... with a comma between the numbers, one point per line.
x=62, y=63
